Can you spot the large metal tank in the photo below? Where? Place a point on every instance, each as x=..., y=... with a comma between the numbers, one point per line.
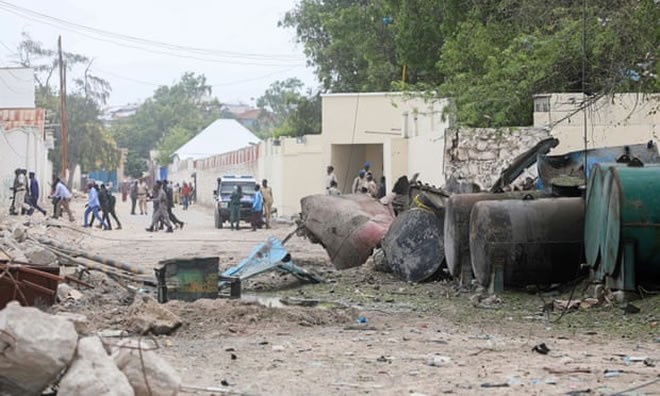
x=596, y=211
x=414, y=246
x=532, y=241
x=633, y=219
x=457, y=227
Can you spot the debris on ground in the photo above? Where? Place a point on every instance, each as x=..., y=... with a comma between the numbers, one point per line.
x=147, y=372
x=348, y=227
x=147, y=316
x=93, y=372
x=35, y=347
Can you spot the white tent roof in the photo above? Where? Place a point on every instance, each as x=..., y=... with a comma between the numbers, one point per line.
x=222, y=136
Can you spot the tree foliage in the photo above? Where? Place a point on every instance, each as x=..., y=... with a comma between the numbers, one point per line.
x=286, y=110
x=90, y=145
x=170, y=117
x=490, y=56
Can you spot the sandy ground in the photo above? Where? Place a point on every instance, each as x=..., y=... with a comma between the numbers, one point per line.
x=420, y=339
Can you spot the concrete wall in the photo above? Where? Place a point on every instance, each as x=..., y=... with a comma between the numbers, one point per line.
x=480, y=154
x=409, y=130
x=293, y=169
x=628, y=118
x=23, y=148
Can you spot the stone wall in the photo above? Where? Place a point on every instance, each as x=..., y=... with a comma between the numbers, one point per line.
x=479, y=154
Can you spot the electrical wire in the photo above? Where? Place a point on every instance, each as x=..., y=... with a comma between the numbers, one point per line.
x=79, y=28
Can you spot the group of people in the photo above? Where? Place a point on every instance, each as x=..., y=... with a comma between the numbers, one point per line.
x=25, y=193
x=363, y=183
x=139, y=193
x=261, y=209
x=100, y=199
x=162, y=198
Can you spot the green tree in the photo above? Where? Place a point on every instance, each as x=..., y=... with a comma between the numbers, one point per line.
x=185, y=106
x=89, y=144
x=286, y=110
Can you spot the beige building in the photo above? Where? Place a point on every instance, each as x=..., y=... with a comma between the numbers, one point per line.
x=627, y=118
x=398, y=135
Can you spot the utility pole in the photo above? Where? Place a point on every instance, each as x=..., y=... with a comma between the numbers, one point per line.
x=64, y=124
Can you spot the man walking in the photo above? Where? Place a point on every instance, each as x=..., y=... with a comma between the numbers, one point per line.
x=267, y=193
x=93, y=206
x=142, y=192
x=185, y=194
x=20, y=191
x=134, y=195
x=160, y=209
x=63, y=197
x=34, y=194
x=108, y=204
x=170, y=204
x=257, y=208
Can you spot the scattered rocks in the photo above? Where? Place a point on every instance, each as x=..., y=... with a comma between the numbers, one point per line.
x=40, y=256
x=79, y=321
x=146, y=315
x=93, y=372
x=147, y=372
x=437, y=361
x=35, y=347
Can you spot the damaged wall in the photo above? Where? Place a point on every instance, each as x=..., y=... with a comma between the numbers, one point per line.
x=480, y=154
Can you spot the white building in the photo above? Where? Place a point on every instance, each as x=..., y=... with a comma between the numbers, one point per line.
x=23, y=141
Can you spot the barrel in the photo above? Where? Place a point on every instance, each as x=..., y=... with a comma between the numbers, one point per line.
x=413, y=245
x=533, y=241
x=594, y=217
x=457, y=227
x=634, y=216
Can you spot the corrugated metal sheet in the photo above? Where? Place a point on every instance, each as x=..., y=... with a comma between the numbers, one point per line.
x=16, y=118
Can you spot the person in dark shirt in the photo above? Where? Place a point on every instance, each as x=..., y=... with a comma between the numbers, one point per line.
x=34, y=194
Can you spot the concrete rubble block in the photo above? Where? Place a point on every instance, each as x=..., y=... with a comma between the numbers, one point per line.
x=20, y=233
x=40, y=256
x=93, y=372
x=147, y=372
x=79, y=321
x=146, y=315
x=67, y=293
x=35, y=347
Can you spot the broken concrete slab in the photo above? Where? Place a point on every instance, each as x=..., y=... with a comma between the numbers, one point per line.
x=40, y=256
x=348, y=226
x=147, y=372
x=146, y=316
x=79, y=321
x=35, y=347
x=93, y=372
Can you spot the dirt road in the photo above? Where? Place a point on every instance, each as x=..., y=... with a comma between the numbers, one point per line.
x=418, y=339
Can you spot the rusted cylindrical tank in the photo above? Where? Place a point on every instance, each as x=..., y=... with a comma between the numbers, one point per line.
x=413, y=245
x=533, y=241
x=457, y=227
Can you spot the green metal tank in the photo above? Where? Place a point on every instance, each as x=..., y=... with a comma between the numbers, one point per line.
x=631, y=245
x=594, y=216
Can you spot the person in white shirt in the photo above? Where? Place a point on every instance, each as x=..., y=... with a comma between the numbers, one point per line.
x=63, y=196
x=330, y=177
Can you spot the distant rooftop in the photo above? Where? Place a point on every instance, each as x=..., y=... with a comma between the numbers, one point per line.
x=222, y=136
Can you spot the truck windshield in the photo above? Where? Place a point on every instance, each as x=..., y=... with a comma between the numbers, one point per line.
x=227, y=188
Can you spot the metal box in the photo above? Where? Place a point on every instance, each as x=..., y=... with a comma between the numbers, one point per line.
x=187, y=279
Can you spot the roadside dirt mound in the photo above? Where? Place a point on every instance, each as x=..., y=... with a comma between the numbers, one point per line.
x=211, y=318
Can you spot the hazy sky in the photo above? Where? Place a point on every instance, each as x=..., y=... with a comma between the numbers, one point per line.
x=251, y=50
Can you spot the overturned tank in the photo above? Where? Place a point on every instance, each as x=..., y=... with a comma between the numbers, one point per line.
x=457, y=228
x=348, y=227
x=414, y=246
x=527, y=242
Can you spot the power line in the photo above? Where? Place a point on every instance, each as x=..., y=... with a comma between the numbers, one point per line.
x=40, y=17
x=145, y=48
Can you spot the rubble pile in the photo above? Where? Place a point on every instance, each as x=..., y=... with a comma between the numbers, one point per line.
x=42, y=350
